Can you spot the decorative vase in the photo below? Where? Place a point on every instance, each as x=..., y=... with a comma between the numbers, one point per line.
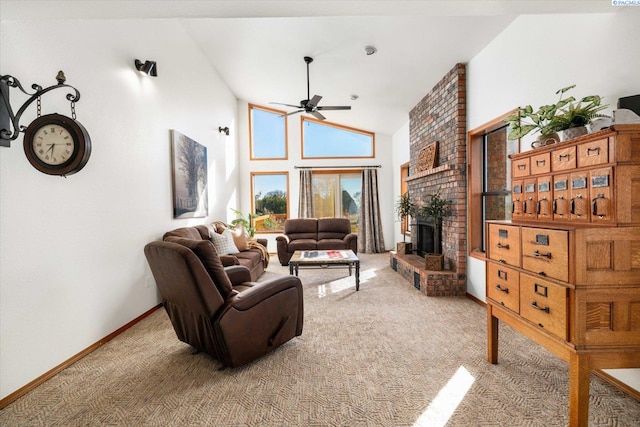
x=544, y=140
x=575, y=132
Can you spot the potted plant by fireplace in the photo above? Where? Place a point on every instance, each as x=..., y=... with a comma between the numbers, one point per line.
x=404, y=209
x=437, y=209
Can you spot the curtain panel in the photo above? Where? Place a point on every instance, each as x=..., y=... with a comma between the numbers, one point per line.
x=370, y=238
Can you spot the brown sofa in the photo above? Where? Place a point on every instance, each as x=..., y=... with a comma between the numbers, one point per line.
x=304, y=234
x=219, y=310
x=255, y=259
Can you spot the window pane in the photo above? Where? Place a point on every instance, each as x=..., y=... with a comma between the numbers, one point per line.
x=497, y=207
x=324, y=195
x=351, y=186
x=270, y=201
x=324, y=140
x=268, y=134
x=329, y=202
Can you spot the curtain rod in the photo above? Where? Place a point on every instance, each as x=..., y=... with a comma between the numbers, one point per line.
x=339, y=167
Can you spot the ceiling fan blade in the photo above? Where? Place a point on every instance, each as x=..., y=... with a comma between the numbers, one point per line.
x=314, y=101
x=286, y=105
x=293, y=112
x=343, y=107
x=317, y=115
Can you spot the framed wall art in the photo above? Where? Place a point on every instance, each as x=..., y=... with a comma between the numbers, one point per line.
x=189, y=176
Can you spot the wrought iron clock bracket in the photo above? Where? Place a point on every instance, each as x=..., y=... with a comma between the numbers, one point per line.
x=9, y=122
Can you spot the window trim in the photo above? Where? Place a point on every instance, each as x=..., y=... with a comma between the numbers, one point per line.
x=286, y=133
x=475, y=173
x=342, y=127
x=404, y=188
x=253, y=198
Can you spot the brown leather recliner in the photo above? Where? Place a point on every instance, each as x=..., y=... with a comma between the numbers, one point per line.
x=219, y=310
x=305, y=234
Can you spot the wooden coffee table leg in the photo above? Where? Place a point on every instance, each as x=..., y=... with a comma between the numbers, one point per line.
x=291, y=269
x=357, y=275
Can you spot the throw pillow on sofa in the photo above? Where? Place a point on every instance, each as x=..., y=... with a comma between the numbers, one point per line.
x=224, y=242
x=240, y=238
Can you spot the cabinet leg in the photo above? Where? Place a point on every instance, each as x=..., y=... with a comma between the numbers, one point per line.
x=579, y=378
x=492, y=336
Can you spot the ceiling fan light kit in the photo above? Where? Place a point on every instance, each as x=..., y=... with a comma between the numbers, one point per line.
x=310, y=105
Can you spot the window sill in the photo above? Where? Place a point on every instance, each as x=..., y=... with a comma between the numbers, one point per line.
x=479, y=255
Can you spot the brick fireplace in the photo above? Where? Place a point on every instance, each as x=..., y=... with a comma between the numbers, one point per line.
x=440, y=117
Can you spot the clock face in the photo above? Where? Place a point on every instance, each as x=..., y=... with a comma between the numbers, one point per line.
x=57, y=145
x=53, y=144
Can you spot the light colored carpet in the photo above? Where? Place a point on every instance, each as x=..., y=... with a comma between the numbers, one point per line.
x=383, y=356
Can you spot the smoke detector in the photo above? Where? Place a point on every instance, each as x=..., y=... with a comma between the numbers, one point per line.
x=370, y=50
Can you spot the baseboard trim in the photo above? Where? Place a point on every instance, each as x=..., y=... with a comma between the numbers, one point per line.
x=51, y=373
x=476, y=300
x=618, y=384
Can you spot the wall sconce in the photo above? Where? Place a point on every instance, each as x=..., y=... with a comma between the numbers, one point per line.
x=223, y=129
x=147, y=67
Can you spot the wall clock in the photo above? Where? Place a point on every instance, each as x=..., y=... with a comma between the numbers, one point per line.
x=57, y=145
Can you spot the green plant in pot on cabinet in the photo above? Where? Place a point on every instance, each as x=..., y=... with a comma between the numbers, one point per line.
x=437, y=209
x=550, y=119
x=404, y=209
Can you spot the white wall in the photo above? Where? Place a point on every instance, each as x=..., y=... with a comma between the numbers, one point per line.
x=537, y=55
x=72, y=268
x=400, y=156
x=383, y=157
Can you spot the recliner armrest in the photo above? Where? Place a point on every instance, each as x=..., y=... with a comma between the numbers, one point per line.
x=283, y=238
x=238, y=274
x=260, y=291
x=263, y=242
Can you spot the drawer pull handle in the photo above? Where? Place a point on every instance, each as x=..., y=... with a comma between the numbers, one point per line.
x=501, y=289
x=502, y=261
x=542, y=273
x=595, y=205
x=540, y=162
x=537, y=254
x=537, y=307
x=564, y=156
x=522, y=166
x=501, y=246
x=589, y=150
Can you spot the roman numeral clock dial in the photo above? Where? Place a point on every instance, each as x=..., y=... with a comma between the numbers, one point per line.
x=57, y=145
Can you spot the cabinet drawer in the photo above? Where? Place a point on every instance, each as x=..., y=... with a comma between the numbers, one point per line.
x=563, y=159
x=541, y=163
x=503, y=286
x=593, y=153
x=517, y=199
x=561, y=198
x=521, y=168
x=504, y=244
x=546, y=252
x=544, y=304
x=530, y=200
x=545, y=198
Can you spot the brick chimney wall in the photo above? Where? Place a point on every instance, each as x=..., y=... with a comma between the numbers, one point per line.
x=441, y=116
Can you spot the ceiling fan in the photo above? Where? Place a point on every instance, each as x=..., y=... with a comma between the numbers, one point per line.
x=310, y=105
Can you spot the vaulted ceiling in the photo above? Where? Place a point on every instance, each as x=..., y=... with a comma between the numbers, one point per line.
x=258, y=47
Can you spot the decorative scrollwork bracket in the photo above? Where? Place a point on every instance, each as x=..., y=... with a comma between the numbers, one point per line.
x=9, y=122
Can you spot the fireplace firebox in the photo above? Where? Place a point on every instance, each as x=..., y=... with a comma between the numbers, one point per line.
x=428, y=237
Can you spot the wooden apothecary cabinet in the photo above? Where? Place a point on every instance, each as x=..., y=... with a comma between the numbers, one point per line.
x=566, y=270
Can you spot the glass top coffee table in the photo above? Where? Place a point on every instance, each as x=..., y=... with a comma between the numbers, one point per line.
x=325, y=259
